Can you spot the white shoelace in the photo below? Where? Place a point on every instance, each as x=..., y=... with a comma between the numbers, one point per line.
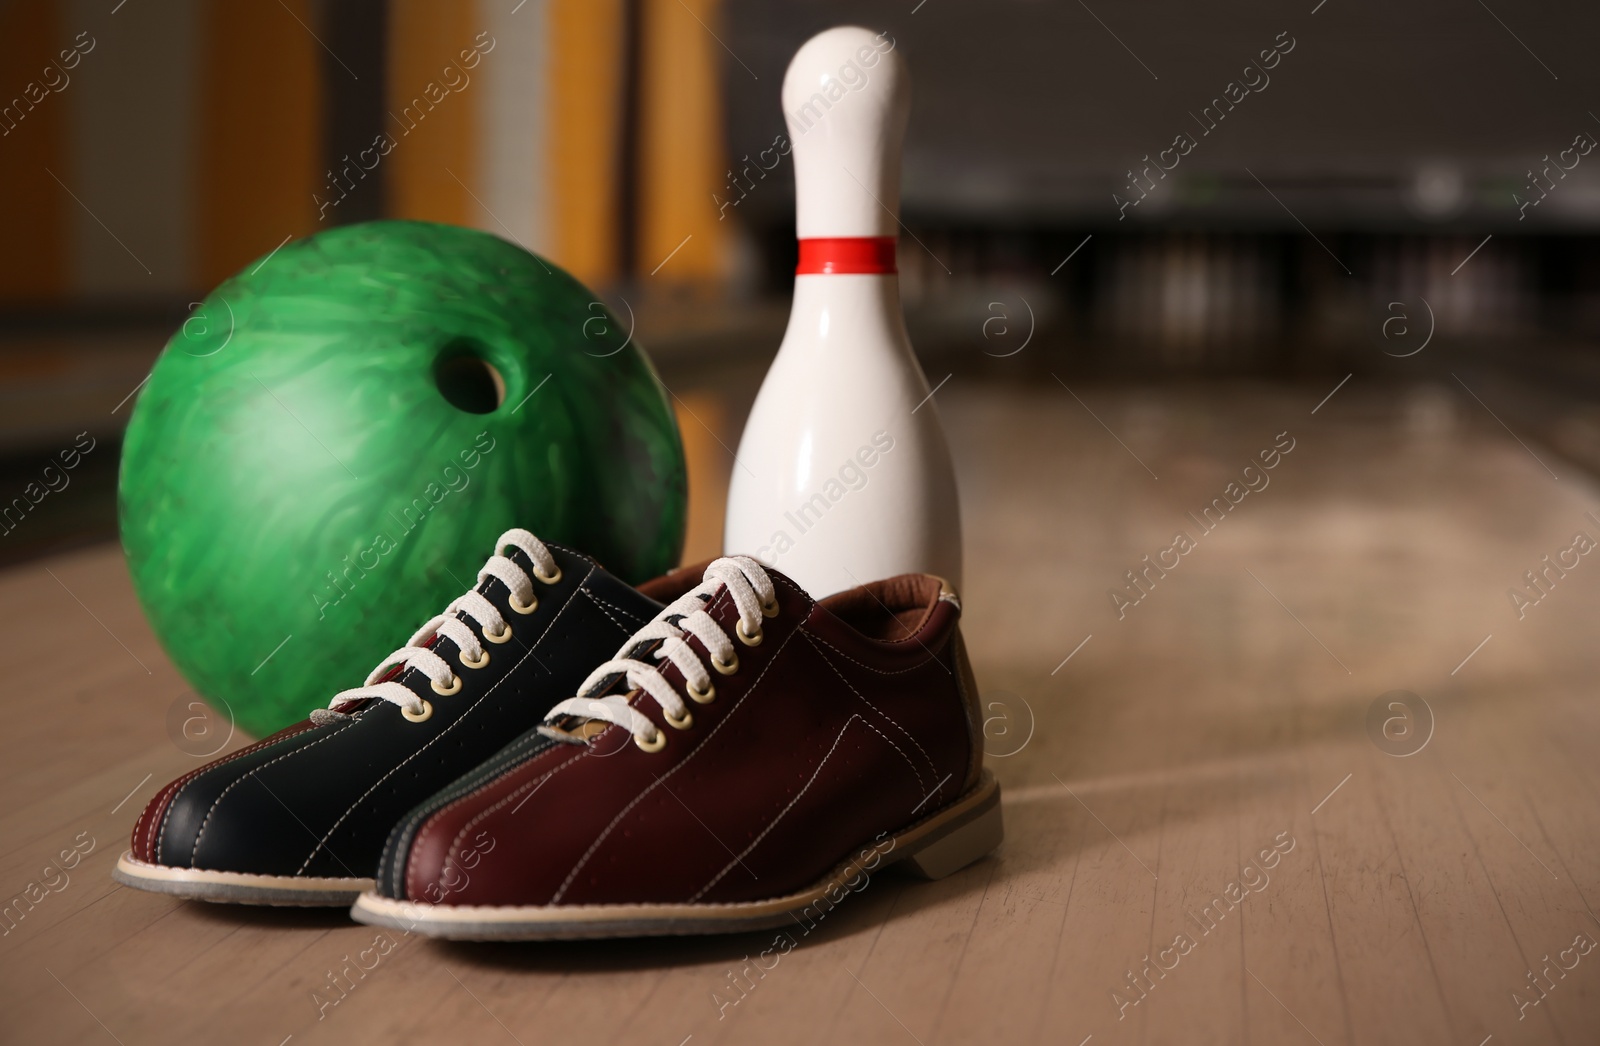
x=755, y=599
x=475, y=606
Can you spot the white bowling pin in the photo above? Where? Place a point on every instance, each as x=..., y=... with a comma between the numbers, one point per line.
x=843, y=475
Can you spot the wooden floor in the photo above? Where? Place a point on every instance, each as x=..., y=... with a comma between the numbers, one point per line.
x=1147, y=761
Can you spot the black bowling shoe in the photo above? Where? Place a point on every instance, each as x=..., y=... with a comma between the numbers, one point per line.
x=300, y=818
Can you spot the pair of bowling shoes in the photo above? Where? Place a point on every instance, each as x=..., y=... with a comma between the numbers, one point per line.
x=735, y=754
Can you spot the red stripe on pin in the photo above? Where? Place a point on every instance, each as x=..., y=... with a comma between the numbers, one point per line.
x=846, y=255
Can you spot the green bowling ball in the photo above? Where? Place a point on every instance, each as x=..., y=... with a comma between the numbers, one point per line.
x=326, y=451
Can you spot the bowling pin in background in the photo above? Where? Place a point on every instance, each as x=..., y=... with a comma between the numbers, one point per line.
x=843, y=475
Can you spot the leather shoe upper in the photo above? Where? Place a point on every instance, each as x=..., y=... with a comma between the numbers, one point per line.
x=319, y=798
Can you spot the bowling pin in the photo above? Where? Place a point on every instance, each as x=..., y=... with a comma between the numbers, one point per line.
x=843, y=475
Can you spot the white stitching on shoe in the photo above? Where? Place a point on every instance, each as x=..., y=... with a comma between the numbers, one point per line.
x=932, y=768
x=838, y=870
x=425, y=812
x=607, y=608
x=158, y=840
x=685, y=762
x=933, y=655
x=814, y=775
x=529, y=652
x=482, y=815
x=194, y=854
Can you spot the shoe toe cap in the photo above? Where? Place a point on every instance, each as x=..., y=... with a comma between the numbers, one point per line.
x=221, y=818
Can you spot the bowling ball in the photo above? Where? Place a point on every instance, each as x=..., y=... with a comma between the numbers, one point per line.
x=325, y=453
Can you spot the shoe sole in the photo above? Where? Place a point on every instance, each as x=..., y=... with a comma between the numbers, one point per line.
x=201, y=884
x=939, y=845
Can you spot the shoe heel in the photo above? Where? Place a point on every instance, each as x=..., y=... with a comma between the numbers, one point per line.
x=963, y=845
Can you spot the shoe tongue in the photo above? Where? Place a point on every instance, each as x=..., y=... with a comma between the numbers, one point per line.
x=394, y=672
x=575, y=730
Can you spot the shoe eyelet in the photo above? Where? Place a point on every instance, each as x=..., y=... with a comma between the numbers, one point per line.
x=548, y=579
x=498, y=637
x=746, y=638
x=679, y=724
x=422, y=716
x=726, y=668
x=521, y=607
x=446, y=691
x=702, y=697
x=654, y=745
x=769, y=609
x=483, y=659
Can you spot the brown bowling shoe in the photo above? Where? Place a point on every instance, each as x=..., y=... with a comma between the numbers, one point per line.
x=748, y=758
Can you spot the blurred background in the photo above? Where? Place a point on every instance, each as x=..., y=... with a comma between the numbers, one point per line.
x=1148, y=192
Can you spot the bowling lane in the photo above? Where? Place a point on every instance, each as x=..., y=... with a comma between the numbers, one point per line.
x=1192, y=758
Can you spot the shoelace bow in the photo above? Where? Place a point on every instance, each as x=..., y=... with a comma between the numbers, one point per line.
x=447, y=625
x=754, y=597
